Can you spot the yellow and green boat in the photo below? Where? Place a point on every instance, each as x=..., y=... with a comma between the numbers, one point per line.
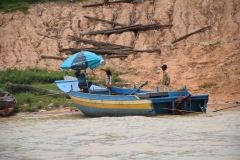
x=99, y=102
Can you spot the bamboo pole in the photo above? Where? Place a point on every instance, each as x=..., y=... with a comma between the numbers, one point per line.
x=103, y=51
x=98, y=43
x=128, y=28
x=101, y=4
x=188, y=35
x=216, y=110
x=102, y=20
x=53, y=57
x=116, y=56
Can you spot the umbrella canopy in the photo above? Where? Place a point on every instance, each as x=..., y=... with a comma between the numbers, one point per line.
x=82, y=60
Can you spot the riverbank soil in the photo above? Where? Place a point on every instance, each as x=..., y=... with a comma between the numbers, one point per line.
x=206, y=62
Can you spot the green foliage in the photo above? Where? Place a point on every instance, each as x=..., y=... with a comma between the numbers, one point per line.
x=30, y=76
x=79, y=0
x=51, y=86
x=212, y=45
x=115, y=79
x=174, y=46
x=131, y=68
x=7, y=6
x=180, y=89
x=102, y=81
x=207, y=85
x=233, y=39
x=117, y=73
x=136, y=73
x=24, y=98
x=23, y=5
x=91, y=78
x=104, y=69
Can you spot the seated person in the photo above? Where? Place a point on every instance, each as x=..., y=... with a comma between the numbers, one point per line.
x=82, y=82
x=81, y=77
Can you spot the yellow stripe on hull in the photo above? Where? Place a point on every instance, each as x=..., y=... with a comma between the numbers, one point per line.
x=130, y=104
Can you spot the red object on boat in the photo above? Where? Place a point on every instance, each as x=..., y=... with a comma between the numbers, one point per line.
x=7, y=103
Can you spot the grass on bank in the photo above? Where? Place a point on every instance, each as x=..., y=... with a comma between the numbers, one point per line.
x=31, y=75
x=24, y=5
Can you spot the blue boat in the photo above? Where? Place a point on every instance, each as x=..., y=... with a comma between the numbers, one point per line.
x=129, y=102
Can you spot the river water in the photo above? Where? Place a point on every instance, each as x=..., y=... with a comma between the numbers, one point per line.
x=215, y=135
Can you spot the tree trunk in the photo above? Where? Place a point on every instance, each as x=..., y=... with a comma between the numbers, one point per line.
x=24, y=88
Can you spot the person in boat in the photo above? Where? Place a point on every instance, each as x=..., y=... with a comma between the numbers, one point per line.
x=108, y=79
x=165, y=78
x=81, y=77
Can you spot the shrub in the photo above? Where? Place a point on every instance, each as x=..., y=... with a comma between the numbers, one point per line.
x=30, y=76
x=23, y=5
x=207, y=85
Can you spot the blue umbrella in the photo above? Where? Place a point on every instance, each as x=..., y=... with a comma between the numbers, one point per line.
x=82, y=60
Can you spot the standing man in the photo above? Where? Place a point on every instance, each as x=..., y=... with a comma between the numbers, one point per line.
x=108, y=80
x=165, y=78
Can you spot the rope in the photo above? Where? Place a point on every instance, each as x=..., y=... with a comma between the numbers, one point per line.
x=180, y=110
x=225, y=108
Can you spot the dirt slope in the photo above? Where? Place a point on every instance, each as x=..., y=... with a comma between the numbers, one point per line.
x=206, y=62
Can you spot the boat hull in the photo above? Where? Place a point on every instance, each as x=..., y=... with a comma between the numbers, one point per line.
x=94, y=107
x=7, y=103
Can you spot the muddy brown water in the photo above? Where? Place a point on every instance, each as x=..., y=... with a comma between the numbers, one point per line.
x=215, y=135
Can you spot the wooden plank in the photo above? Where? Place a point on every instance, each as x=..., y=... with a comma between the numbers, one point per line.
x=112, y=29
x=115, y=56
x=188, y=35
x=149, y=51
x=53, y=57
x=102, y=20
x=99, y=44
x=128, y=28
x=101, y=4
x=103, y=51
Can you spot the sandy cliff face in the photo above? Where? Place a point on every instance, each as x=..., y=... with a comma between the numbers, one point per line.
x=209, y=59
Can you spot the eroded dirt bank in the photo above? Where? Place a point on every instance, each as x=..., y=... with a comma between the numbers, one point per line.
x=206, y=62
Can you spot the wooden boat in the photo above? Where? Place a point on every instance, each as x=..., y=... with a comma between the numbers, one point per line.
x=126, y=102
x=7, y=103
